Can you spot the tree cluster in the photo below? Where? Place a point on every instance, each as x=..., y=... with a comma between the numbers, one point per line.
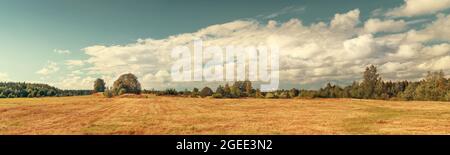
x=22, y=89
x=434, y=87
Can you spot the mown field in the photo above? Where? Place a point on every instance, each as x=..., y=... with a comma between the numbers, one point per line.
x=176, y=115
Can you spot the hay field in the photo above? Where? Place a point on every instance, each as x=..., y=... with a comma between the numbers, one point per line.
x=176, y=115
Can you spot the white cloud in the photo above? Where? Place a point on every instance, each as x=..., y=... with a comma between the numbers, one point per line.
x=74, y=63
x=437, y=30
x=419, y=7
x=377, y=25
x=310, y=54
x=59, y=51
x=50, y=68
x=359, y=48
x=440, y=63
x=346, y=21
x=407, y=51
x=4, y=76
x=286, y=10
x=76, y=82
x=417, y=50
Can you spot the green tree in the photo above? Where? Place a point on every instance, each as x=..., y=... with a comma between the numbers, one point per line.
x=194, y=92
x=129, y=83
x=248, y=87
x=354, y=90
x=371, y=78
x=409, y=93
x=294, y=92
x=433, y=87
x=227, y=90
x=235, y=92
x=99, y=85
x=220, y=90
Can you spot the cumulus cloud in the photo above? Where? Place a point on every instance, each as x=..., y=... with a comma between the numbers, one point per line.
x=438, y=29
x=74, y=63
x=346, y=21
x=50, y=68
x=377, y=25
x=309, y=54
x=418, y=7
x=76, y=82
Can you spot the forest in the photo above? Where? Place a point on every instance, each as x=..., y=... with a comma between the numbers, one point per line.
x=22, y=89
x=434, y=87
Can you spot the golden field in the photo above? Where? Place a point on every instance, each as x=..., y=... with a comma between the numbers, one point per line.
x=177, y=115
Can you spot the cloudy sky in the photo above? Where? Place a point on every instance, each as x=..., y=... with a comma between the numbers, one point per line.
x=70, y=43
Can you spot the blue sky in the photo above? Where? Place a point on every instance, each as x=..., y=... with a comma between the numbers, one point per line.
x=31, y=31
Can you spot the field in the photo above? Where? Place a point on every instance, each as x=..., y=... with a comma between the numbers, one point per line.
x=176, y=115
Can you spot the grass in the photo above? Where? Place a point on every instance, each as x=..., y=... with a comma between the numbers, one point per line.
x=176, y=115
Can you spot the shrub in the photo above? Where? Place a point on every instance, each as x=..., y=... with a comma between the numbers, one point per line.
x=170, y=91
x=12, y=96
x=447, y=97
x=284, y=95
x=220, y=90
x=206, y=92
x=217, y=95
x=270, y=95
x=108, y=93
x=258, y=94
x=235, y=92
x=309, y=94
x=293, y=92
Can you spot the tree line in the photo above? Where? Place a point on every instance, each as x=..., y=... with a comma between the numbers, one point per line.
x=433, y=87
x=22, y=89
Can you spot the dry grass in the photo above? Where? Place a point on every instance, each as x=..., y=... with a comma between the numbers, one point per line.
x=174, y=115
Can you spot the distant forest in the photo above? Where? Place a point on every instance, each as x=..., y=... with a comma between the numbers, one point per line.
x=22, y=89
x=434, y=87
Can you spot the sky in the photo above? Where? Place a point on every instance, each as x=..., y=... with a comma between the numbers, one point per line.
x=69, y=44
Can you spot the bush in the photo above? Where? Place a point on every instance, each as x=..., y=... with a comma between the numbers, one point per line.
x=447, y=97
x=308, y=94
x=284, y=95
x=220, y=90
x=258, y=94
x=128, y=83
x=235, y=92
x=293, y=92
x=270, y=95
x=108, y=93
x=195, y=92
x=217, y=95
x=170, y=91
x=206, y=92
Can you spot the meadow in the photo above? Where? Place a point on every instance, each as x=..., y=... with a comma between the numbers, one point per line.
x=150, y=115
